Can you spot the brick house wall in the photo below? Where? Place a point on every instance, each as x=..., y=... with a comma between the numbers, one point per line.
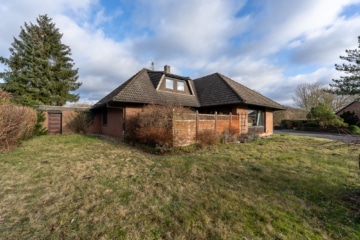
x=115, y=121
x=186, y=127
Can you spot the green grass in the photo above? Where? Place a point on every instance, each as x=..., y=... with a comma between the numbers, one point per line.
x=78, y=187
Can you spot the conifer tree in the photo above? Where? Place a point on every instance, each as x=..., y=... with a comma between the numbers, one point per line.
x=39, y=69
x=350, y=83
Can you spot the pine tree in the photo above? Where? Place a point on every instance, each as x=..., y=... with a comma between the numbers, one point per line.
x=350, y=83
x=39, y=69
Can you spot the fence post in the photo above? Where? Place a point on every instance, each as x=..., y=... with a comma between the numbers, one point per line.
x=215, y=124
x=173, y=127
x=238, y=114
x=230, y=121
x=196, y=126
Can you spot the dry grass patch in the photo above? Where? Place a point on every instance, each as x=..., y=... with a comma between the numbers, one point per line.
x=76, y=187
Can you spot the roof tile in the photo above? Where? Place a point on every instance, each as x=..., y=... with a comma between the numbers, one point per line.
x=211, y=90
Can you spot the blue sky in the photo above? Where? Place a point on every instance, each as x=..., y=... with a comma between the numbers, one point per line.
x=270, y=46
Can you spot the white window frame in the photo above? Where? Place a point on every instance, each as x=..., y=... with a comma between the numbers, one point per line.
x=182, y=84
x=169, y=84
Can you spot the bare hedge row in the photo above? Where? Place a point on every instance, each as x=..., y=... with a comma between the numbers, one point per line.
x=153, y=125
x=16, y=122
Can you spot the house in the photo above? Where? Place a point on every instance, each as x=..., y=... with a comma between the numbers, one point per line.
x=210, y=94
x=351, y=107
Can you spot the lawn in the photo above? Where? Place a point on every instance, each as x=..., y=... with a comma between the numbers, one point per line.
x=80, y=187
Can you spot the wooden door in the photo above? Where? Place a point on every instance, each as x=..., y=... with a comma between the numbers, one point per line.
x=54, y=123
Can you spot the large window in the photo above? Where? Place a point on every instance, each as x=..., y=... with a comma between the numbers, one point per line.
x=255, y=118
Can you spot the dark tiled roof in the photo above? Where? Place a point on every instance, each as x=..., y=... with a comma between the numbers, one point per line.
x=356, y=102
x=250, y=96
x=217, y=89
x=212, y=90
x=141, y=88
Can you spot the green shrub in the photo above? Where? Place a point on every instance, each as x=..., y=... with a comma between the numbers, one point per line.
x=312, y=124
x=349, y=117
x=354, y=129
x=287, y=124
x=291, y=124
x=39, y=129
x=325, y=116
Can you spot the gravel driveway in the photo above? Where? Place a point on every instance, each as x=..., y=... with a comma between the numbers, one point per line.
x=333, y=136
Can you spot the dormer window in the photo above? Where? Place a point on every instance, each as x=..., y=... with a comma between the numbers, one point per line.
x=175, y=85
x=181, y=86
x=169, y=84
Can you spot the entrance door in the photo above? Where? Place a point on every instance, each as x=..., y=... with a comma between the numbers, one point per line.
x=54, y=121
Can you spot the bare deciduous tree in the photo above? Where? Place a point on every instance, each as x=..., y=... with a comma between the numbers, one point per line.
x=308, y=95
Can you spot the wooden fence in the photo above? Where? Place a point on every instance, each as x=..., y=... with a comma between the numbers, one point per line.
x=186, y=127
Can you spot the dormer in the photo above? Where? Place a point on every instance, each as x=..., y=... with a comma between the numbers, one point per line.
x=174, y=83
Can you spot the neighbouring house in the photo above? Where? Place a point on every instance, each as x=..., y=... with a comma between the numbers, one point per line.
x=212, y=94
x=351, y=107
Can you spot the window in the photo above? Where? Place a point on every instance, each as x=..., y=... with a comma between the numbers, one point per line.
x=169, y=84
x=180, y=86
x=255, y=118
x=104, y=116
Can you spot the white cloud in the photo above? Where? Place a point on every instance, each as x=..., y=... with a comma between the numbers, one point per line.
x=324, y=46
x=196, y=38
x=285, y=23
x=197, y=29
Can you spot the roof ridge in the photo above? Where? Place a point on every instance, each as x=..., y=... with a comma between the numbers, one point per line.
x=166, y=73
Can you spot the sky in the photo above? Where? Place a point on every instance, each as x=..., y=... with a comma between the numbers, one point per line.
x=270, y=46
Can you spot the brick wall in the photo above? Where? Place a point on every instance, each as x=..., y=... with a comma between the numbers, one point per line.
x=96, y=125
x=114, y=126
x=68, y=114
x=269, y=124
x=185, y=130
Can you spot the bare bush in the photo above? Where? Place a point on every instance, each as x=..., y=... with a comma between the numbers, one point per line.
x=153, y=125
x=155, y=136
x=5, y=97
x=207, y=137
x=230, y=135
x=16, y=123
x=80, y=123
